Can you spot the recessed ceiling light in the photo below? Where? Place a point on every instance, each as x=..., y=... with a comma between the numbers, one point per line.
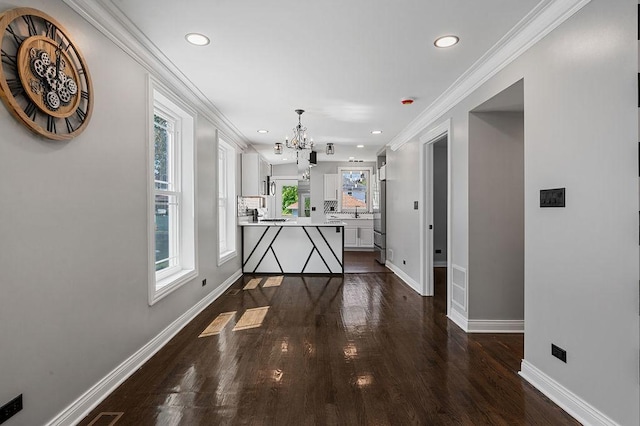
x=376, y=132
x=359, y=146
x=284, y=159
x=197, y=39
x=351, y=158
x=263, y=131
x=446, y=41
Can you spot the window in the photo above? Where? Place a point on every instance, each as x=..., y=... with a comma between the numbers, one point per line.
x=172, y=210
x=226, y=201
x=289, y=200
x=355, y=189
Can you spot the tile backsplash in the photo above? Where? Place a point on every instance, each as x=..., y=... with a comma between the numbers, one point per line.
x=246, y=203
x=330, y=206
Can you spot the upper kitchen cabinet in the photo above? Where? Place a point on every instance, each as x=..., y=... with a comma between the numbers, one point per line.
x=331, y=187
x=255, y=173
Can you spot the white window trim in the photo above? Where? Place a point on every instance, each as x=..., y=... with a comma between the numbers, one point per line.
x=369, y=189
x=161, y=285
x=231, y=205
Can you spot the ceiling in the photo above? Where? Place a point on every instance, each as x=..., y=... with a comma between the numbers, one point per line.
x=347, y=63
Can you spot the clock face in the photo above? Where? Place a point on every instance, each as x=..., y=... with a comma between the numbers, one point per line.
x=44, y=80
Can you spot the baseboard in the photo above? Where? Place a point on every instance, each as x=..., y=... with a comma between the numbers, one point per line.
x=581, y=410
x=404, y=277
x=98, y=392
x=458, y=319
x=495, y=326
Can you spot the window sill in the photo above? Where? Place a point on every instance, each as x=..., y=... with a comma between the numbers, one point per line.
x=167, y=285
x=226, y=256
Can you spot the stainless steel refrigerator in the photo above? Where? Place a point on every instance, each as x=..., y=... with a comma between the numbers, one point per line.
x=380, y=224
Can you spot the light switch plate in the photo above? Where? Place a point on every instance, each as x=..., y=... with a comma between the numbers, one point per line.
x=552, y=197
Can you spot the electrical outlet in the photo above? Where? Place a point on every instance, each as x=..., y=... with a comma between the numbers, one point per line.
x=559, y=353
x=415, y=205
x=204, y=282
x=10, y=409
x=404, y=262
x=390, y=254
x=438, y=251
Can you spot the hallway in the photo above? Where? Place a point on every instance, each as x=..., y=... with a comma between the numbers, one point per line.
x=360, y=350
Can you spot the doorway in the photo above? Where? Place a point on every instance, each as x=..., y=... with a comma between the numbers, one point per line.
x=435, y=216
x=439, y=173
x=496, y=213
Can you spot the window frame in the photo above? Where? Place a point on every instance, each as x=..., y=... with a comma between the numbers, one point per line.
x=369, y=188
x=163, y=282
x=226, y=184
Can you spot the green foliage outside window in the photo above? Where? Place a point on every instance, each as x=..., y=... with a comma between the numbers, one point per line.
x=289, y=197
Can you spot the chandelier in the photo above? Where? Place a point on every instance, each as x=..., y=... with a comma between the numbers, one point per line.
x=299, y=139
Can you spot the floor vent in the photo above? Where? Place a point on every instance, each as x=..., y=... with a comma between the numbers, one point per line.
x=106, y=419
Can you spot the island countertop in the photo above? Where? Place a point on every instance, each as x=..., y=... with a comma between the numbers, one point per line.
x=293, y=247
x=293, y=223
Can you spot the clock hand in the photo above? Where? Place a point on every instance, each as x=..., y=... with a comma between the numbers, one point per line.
x=58, y=51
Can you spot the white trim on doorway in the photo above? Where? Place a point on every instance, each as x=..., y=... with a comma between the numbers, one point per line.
x=426, y=209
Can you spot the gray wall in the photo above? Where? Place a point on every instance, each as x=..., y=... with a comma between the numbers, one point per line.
x=73, y=238
x=581, y=262
x=289, y=169
x=496, y=216
x=440, y=202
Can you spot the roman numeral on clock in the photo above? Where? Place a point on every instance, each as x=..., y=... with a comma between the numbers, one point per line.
x=10, y=60
x=51, y=30
x=31, y=25
x=18, y=39
x=31, y=110
x=70, y=128
x=51, y=124
x=15, y=86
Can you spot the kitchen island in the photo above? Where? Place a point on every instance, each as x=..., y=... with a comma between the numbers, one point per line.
x=292, y=248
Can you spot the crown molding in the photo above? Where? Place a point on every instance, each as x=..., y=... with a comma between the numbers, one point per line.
x=110, y=21
x=543, y=19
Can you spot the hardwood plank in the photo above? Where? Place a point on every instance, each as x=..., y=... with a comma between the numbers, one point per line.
x=217, y=324
x=273, y=282
x=354, y=350
x=252, y=284
x=251, y=318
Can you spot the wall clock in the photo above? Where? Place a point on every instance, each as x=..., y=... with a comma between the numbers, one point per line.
x=44, y=80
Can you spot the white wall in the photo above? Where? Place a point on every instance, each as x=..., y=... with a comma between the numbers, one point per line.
x=73, y=239
x=496, y=216
x=581, y=262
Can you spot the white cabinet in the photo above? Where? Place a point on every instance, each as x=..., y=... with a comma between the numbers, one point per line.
x=331, y=187
x=350, y=236
x=365, y=236
x=358, y=233
x=254, y=174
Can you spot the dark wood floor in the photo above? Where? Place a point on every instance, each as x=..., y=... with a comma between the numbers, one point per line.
x=360, y=350
x=362, y=262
